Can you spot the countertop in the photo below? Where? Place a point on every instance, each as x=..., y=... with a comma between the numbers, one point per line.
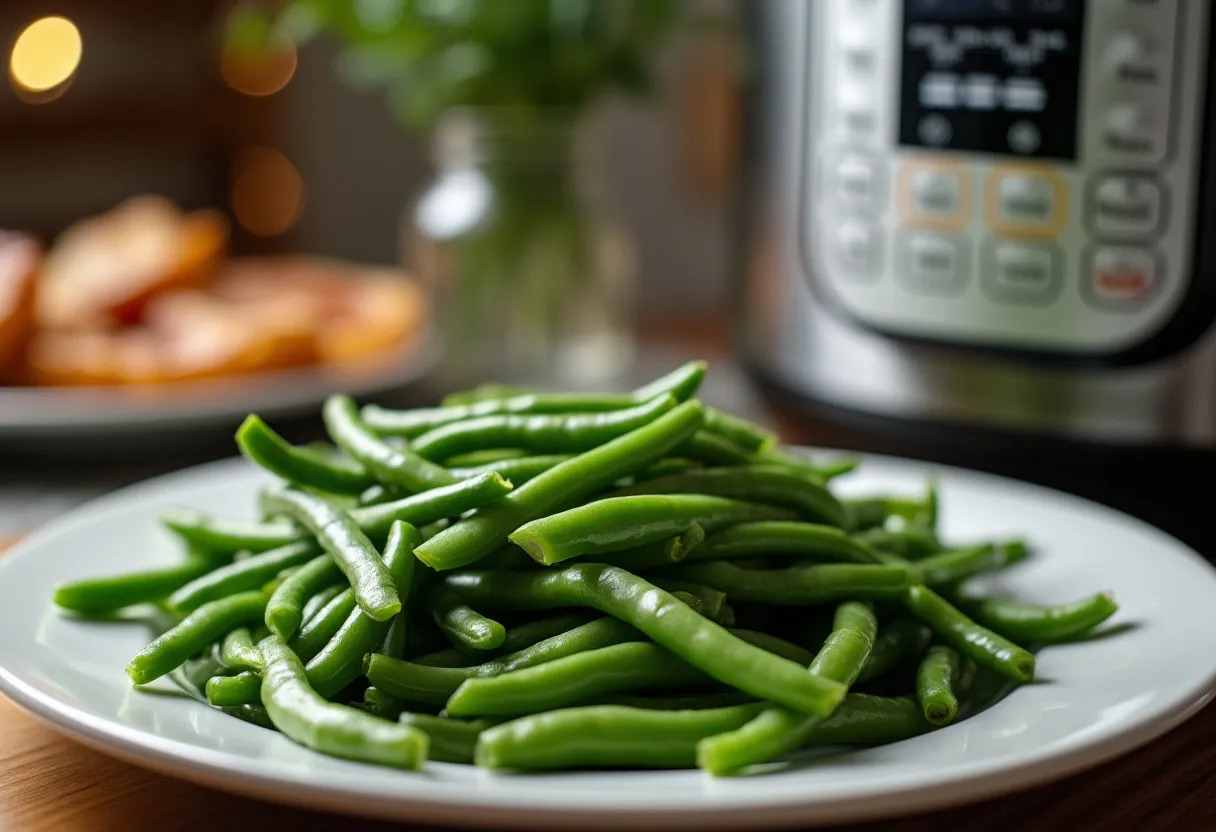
x=49, y=782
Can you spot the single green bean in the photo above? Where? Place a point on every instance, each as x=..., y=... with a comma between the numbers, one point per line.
x=94, y=596
x=485, y=530
x=239, y=651
x=222, y=536
x=984, y=646
x=796, y=585
x=776, y=731
x=666, y=620
x=302, y=466
x=546, y=433
x=399, y=466
x=954, y=565
x=712, y=449
x=300, y=713
x=319, y=601
x=617, y=523
x=245, y=688
x=484, y=456
x=745, y=434
x=200, y=628
x=395, y=638
x=464, y=625
x=241, y=575
x=938, y=684
x=322, y=627
x=1041, y=624
x=574, y=680
x=518, y=470
x=285, y=610
x=452, y=740
x=379, y=703
x=773, y=484
x=518, y=637
x=708, y=601
x=605, y=735
x=341, y=537
x=655, y=555
x=899, y=642
x=807, y=540
x=425, y=683
x=341, y=660
x=430, y=506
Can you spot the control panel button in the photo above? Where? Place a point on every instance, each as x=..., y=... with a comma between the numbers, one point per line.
x=857, y=183
x=1121, y=275
x=980, y=91
x=933, y=263
x=1131, y=130
x=1026, y=201
x=1131, y=58
x=1125, y=206
x=859, y=249
x=935, y=195
x=857, y=106
x=1018, y=273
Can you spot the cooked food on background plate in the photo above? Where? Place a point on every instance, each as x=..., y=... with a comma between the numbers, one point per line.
x=146, y=294
x=537, y=581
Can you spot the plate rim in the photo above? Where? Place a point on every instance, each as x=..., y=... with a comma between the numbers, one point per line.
x=232, y=772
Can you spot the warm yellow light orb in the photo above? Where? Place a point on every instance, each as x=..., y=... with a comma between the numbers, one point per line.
x=45, y=54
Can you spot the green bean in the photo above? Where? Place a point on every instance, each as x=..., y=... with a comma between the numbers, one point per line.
x=899, y=642
x=709, y=601
x=895, y=513
x=938, y=683
x=245, y=688
x=518, y=470
x=485, y=530
x=492, y=400
x=776, y=731
x=910, y=543
x=713, y=449
x=395, y=638
x=797, y=585
x=605, y=735
x=573, y=680
x=773, y=484
x=379, y=703
x=484, y=456
x=302, y=466
x=547, y=432
x=452, y=740
x=319, y=601
x=398, y=466
x=238, y=576
x=679, y=702
x=808, y=540
x=661, y=553
x=239, y=651
x=464, y=625
x=424, y=683
x=666, y=620
x=984, y=646
x=341, y=660
x=300, y=713
x=1040, y=624
x=194, y=632
x=430, y=506
x=617, y=523
x=322, y=627
x=773, y=644
x=224, y=536
x=103, y=595
x=741, y=432
x=341, y=537
x=285, y=610
x=825, y=471
x=517, y=638
x=954, y=565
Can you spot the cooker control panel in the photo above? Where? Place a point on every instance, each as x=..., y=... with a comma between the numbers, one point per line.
x=1011, y=173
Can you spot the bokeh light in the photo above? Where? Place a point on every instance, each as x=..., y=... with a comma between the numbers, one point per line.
x=267, y=192
x=257, y=72
x=44, y=57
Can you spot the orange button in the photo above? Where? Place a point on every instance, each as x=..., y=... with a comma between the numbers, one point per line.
x=1026, y=202
x=934, y=194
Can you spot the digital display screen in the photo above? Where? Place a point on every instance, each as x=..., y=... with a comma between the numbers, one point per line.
x=993, y=76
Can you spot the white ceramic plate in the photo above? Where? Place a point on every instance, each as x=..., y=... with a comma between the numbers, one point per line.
x=1094, y=701
x=32, y=414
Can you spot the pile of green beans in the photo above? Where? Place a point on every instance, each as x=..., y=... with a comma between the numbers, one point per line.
x=533, y=580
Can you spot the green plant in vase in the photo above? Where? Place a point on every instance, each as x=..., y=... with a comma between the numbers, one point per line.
x=531, y=278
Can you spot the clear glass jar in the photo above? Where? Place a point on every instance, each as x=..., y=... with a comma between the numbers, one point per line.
x=531, y=279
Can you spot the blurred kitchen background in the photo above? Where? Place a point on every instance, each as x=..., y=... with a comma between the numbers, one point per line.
x=380, y=135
